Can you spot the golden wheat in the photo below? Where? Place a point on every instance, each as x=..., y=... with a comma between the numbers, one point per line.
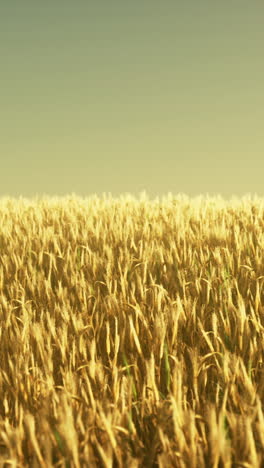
x=131, y=332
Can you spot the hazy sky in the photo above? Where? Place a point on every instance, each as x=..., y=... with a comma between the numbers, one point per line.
x=124, y=96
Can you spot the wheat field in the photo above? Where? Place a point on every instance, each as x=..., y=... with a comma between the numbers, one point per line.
x=131, y=332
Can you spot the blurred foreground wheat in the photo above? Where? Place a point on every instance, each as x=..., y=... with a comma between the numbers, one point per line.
x=131, y=332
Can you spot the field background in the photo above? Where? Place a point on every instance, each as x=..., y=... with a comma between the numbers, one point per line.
x=131, y=332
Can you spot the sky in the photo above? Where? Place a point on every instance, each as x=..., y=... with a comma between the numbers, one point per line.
x=130, y=96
